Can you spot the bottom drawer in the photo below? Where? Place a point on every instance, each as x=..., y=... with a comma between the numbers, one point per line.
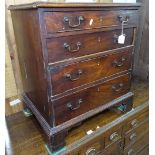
x=138, y=145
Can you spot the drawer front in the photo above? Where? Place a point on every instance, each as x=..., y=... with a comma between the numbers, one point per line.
x=60, y=48
x=63, y=21
x=138, y=145
x=71, y=106
x=144, y=151
x=113, y=135
x=114, y=149
x=136, y=133
x=72, y=76
x=135, y=122
x=91, y=147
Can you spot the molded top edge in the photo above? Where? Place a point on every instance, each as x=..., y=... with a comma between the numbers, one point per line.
x=70, y=5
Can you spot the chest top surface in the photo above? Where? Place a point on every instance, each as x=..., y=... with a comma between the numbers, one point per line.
x=70, y=5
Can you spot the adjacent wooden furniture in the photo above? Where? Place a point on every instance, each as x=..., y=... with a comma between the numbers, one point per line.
x=72, y=63
x=128, y=132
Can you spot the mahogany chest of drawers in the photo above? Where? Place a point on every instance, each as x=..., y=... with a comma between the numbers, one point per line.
x=72, y=63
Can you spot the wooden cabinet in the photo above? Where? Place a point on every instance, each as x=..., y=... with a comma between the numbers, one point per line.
x=73, y=64
x=113, y=140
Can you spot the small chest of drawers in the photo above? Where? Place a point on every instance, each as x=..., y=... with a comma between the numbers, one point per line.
x=72, y=64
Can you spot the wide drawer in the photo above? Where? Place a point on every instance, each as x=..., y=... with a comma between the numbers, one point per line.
x=61, y=48
x=64, y=78
x=138, y=145
x=136, y=133
x=71, y=106
x=70, y=21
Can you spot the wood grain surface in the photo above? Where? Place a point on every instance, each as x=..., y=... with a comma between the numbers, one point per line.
x=26, y=135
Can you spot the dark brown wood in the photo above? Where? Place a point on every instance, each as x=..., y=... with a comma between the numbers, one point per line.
x=64, y=78
x=74, y=121
x=31, y=59
x=90, y=43
x=54, y=22
x=71, y=5
x=141, y=61
x=70, y=77
x=86, y=100
x=25, y=134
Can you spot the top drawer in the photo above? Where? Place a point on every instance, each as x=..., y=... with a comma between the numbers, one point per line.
x=70, y=21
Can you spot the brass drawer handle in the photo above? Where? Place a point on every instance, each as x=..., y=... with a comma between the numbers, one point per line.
x=134, y=123
x=79, y=18
x=66, y=46
x=91, y=151
x=114, y=137
x=133, y=136
x=70, y=105
x=131, y=152
x=119, y=63
x=117, y=87
x=124, y=19
x=74, y=76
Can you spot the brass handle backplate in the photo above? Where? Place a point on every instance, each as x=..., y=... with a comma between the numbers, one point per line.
x=131, y=152
x=74, y=76
x=114, y=137
x=133, y=136
x=91, y=151
x=68, y=47
x=79, y=18
x=119, y=63
x=71, y=107
x=117, y=87
x=134, y=123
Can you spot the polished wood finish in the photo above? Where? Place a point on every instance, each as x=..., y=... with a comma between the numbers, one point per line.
x=71, y=5
x=90, y=43
x=90, y=20
x=70, y=76
x=26, y=135
x=64, y=78
x=76, y=104
x=31, y=59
